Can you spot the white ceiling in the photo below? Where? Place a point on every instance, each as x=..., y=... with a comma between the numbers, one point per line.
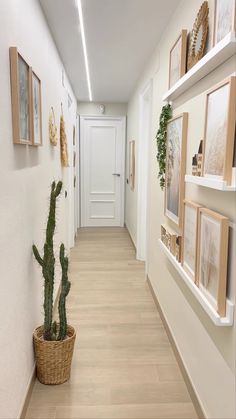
x=120, y=35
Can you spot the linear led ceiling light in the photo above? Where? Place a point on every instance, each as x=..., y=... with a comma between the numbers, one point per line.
x=81, y=21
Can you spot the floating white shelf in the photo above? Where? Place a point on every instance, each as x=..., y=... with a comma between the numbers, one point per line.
x=217, y=320
x=207, y=182
x=216, y=56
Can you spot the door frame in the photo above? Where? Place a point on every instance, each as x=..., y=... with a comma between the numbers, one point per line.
x=122, y=119
x=144, y=147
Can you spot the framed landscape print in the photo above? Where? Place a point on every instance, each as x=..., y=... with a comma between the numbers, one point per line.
x=21, y=98
x=218, y=145
x=190, y=229
x=175, y=168
x=178, y=56
x=225, y=20
x=132, y=164
x=212, y=258
x=36, y=110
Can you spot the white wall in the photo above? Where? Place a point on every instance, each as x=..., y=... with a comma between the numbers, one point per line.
x=111, y=109
x=208, y=351
x=25, y=177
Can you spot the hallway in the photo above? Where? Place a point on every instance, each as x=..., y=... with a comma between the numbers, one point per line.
x=123, y=365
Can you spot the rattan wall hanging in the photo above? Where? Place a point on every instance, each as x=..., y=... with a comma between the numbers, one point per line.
x=198, y=36
x=63, y=141
x=52, y=128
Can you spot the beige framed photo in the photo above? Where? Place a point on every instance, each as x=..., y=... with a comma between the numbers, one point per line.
x=21, y=86
x=178, y=57
x=190, y=231
x=36, y=113
x=132, y=164
x=212, y=253
x=220, y=118
x=175, y=168
x=224, y=19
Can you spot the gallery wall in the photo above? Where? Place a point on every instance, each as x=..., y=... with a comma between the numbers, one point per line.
x=208, y=351
x=26, y=173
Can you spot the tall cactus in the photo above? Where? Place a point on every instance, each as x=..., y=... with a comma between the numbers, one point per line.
x=47, y=262
x=65, y=288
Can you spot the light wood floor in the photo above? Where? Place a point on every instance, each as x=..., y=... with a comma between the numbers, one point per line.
x=123, y=365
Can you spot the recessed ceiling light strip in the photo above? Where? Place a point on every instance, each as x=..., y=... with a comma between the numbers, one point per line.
x=81, y=21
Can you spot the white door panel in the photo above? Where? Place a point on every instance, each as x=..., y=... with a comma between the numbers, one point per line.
x=102, y=158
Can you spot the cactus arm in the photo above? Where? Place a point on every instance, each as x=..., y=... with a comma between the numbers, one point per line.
x=37, y=255
x=65, y=288
x=58, y=188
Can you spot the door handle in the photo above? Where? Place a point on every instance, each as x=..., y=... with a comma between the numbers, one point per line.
x=116, y=174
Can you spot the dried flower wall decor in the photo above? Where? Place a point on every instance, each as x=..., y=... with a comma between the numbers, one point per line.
x=63, y=142
x=52, y=128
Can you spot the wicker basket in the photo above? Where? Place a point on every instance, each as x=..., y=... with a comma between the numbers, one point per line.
x=53, y=358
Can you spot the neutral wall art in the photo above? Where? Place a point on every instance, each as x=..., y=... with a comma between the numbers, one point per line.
x=198, y=36
x=225, y=20
x=21, y=74
x=175, y=168
x=36, y=111
x=63, y=142
x=177, y=61
x=220, y=130
x=190, y=229
x=52, y=128
x=132, y=164
x=212, y=258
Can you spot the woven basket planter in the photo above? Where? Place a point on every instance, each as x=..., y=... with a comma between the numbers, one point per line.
x=53, y=358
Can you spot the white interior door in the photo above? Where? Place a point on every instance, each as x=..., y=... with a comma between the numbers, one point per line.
x=102, y=171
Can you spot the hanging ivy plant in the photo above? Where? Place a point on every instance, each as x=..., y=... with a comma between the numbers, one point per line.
x=166, y=114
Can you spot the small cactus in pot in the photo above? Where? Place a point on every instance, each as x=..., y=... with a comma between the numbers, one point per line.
x=53, y=340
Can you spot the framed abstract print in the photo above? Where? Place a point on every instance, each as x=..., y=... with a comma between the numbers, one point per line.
x=212, y=256
x=132, y=164
x=178, y=57
x=218, y=144
x=190, y=230
x=21, y=98
x=36, y=111
x=175, y=168
x=225, y=19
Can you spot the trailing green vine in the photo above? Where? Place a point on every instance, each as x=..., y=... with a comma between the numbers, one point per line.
x=166, y=114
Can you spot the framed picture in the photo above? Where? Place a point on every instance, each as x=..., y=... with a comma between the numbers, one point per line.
x=175, y=168
x=225, y=19
x=178, y=56
x=21, y=74
x=132, y=164
x=220, y=118
x=198, y=36
x=190, y=229
x=212, y=256
x=36, y=111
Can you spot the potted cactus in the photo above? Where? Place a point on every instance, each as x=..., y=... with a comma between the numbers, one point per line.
x=54, y=341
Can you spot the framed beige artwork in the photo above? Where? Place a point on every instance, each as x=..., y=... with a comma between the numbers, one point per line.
x=224, y=19
x=220, y=118
x=36, y=111
x=212, y=256
x=21, y=93
x=132, y=164
x=175, y=168
x=198, y=36
x=177, y=60
x=190, y=230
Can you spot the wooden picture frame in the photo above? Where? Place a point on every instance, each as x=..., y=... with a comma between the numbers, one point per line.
x=190, y=237
x=224, y=19
x=177, y=59
x=21, y=96
x=175, y=168
x=132, y=165
x=198, y=36
x=212, y=254
x=219, y=133
x=36, y=113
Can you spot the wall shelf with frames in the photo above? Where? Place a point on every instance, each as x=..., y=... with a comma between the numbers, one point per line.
x=214, y=316
x=216, y=56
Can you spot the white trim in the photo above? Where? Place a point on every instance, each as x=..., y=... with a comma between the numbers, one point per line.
x=122, y=119
x=143, y=171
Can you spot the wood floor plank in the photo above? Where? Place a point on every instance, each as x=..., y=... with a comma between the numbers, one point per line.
x=123, y=365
